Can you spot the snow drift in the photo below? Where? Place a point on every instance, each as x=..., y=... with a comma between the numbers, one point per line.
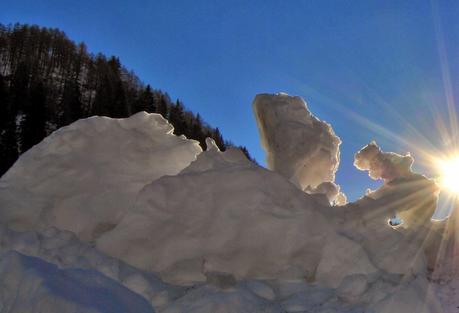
x=246, y=221
x=30, y=284
x=272, y=230
x=83, y=177
x=232, y=235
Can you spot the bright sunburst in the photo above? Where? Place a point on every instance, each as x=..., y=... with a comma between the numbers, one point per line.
x=449, y=174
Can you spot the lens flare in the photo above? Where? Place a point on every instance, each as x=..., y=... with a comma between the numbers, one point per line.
x=449, y=174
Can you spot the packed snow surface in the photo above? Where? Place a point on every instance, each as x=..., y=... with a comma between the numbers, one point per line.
x=30, y=284
x=144, y=220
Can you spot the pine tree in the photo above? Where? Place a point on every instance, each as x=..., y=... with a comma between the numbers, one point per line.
x=163, y=107
x=20, y=86
x=177, y=118
x=119, y=107
x=8, y=145
x=4, y=103
x=247, y=154
x=217, y=136
x=33, y=124
x=103, y=88
x=8, y=136
x=196, y=131
x=71, y=103
x=118, y=97
x=145, y=101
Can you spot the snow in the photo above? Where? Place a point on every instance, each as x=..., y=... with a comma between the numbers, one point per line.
x=208, y=299
x=352, y=288
x=83, y=177
x=123, y=213
x=65, y=250
x=298, y=145
x=269, y=230
x=383, y=165
x=30, y=284
x=274, y=231
x=331, y=191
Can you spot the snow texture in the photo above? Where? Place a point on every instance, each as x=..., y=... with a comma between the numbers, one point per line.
x=147, y=222
x=273, y=231
x=383, y=165
x=65, y=250
x=298, y=145
x=331, y=192
x=83, y=177
x=29, y=284
x=247, y=221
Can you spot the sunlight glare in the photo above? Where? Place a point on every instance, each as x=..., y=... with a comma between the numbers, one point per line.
x=449, y=174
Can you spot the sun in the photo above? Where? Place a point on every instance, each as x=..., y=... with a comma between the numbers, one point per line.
x=449, y=174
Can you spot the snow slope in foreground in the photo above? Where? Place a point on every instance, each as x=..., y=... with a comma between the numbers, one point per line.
x=30, y=284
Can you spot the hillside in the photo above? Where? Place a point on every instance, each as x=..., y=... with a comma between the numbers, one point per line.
x=47, y=81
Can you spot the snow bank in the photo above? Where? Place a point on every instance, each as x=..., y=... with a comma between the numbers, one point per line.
x=65, y=250
x=298, y=145
x=225, y=214
x=83, y=177
x=222, y=213
x=30, y=284
x=219, y=293
x=233, y=235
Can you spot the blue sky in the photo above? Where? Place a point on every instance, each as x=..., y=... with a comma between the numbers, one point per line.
x=373, y=69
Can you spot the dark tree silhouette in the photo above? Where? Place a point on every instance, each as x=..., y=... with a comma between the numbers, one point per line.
x=163, y=105
x=47, y=81
x=8, y=136
x=145, y=101
x=33, y=123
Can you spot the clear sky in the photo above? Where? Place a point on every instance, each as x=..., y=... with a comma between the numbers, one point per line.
x=373, y=69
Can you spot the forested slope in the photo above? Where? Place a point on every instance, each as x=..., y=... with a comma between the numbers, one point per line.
x=47, y=81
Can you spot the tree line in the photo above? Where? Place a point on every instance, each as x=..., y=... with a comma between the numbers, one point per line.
x=48, y=81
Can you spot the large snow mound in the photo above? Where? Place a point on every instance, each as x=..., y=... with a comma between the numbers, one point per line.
x=83, y=177
x=233, y=235
x=298, y=145
x=222, y=213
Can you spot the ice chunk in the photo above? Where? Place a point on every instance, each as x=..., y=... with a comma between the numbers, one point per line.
x=383, y=165
x=298, y=145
